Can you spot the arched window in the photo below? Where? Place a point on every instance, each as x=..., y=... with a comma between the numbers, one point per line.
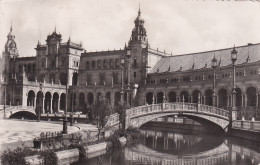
x=93, y=64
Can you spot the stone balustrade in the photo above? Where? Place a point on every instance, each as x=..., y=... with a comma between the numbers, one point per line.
x=169, y=107
x=247, y=124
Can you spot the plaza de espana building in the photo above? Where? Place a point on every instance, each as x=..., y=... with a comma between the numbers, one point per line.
x=137, y=74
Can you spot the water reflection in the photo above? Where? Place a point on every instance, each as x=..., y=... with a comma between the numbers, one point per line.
x=168, y=148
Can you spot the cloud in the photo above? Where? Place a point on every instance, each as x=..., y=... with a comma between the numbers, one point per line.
x=175, y=26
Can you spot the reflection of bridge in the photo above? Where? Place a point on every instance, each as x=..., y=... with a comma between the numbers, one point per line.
x=144, y=154
x=137, y=116
x=225, y=153
x=11, y=110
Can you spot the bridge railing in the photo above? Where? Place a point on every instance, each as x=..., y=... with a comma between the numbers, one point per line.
x=141, y=110
x=113, y=119
x=214, y=110
x=246, y=124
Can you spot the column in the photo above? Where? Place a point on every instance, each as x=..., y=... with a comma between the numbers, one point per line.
x=256, y=100
x=245, y=96
x=153, y=98
x=228, y=101
x=59, y=103
x=51, y=111
x=34, y=105
x=242, y=100
x=191, y=99
x=204, y=100
x=43, y=103
x=217, y=100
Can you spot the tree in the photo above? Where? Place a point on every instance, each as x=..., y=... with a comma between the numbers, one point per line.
x=102, y=111
x=121, y=110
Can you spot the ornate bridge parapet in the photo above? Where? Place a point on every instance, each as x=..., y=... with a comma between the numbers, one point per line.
x=14, y=109
x=137, y=116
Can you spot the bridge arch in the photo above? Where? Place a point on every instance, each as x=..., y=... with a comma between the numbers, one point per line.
x=137, y=116
x=23, y=114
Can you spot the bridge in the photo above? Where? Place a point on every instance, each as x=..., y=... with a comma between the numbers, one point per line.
x=137, y=116
x=16, y=110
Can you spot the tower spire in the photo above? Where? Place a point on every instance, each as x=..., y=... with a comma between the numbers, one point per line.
x=139, y=11
x=11, y=28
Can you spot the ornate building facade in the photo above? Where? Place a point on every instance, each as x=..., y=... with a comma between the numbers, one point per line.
x=137, y=74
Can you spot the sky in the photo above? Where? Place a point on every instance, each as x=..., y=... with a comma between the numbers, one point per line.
x=176, y=26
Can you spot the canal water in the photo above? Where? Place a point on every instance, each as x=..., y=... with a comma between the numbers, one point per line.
x=170, y=147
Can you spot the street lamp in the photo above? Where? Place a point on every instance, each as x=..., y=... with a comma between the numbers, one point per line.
x=233, y=59
x=4, y=83
x=214, y=66
x=65, y=120
x=122, y=62
x=128, y=55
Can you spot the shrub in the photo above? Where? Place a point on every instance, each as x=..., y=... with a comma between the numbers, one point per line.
x=132, y=136
x=49, y=157
x=16, y=156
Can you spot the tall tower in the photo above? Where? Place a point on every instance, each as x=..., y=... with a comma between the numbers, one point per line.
x=139, y=33
x=10, y=46
x=8, y=56
x=138, y=45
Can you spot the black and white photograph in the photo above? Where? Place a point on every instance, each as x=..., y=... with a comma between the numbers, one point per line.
x=130, y=82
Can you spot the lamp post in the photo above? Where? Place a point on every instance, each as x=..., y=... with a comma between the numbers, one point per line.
x=65, y=120
x=214, y=66
x=122, y=62
x=4, y=99
x=233, y=59
x=128, y=54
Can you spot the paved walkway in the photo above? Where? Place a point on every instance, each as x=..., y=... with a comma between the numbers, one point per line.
x=14, y=132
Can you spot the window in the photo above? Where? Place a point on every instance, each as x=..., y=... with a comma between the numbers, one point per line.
x=52, y=63
x=135, y=64
x=93, y=64
x=117, y=62
x=99, y=64
x=111, y=63
x=105, y=64
x=87, y=65
x=134, y=74
x=89, y=78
